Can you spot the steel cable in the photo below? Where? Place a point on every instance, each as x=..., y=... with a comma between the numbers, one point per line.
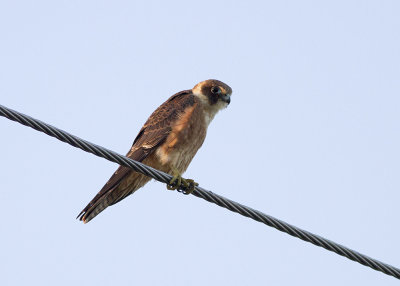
x=200, y=192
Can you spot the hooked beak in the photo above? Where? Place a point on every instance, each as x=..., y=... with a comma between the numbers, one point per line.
x=226, y=98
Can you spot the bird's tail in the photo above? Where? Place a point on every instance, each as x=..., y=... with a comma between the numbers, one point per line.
x=112, y=196
x=96, y=206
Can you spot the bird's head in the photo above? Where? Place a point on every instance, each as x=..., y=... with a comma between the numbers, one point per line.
x=214, y=93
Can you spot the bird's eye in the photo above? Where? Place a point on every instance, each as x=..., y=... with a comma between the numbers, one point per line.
x=215, y=90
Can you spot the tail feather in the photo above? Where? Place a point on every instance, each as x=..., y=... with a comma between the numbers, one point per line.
x=102, y=200
x=96, y=206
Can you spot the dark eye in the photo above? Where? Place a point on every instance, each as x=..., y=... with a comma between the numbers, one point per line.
x=215, y=90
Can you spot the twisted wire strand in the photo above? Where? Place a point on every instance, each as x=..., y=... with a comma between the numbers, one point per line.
x=200, y=192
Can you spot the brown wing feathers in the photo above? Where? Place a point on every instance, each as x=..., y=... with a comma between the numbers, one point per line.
x=153, y=134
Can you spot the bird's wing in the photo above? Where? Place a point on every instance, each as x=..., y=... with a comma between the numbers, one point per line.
x=153, y=134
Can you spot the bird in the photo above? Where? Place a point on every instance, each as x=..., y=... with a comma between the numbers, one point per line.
x=168, y=141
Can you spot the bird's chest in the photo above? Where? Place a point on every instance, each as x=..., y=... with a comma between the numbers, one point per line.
x=189, y=140
x=186, y=137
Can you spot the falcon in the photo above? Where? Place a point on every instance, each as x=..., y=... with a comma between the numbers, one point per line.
x=168, y=141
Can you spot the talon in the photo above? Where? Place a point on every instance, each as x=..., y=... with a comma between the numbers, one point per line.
x=175, y=183
x=191, y=184
x=186, y=186
x=171, y=187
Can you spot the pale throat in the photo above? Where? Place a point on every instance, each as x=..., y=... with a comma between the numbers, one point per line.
x=208, y=109
x=211, y=110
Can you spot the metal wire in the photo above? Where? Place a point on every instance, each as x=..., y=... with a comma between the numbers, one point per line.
x=200, y=192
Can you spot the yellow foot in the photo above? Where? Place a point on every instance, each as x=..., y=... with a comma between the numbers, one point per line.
x=185, y=185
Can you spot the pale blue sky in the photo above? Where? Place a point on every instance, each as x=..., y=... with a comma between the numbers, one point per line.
x=312, y=137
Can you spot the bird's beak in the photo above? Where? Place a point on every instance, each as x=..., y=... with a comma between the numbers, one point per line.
x=226, y=98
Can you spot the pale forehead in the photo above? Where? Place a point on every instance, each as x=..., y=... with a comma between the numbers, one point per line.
x=213, y=82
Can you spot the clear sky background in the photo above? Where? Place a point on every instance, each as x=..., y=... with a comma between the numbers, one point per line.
x=311, y=136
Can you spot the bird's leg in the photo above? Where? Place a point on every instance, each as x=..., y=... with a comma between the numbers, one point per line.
x=177, y=181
